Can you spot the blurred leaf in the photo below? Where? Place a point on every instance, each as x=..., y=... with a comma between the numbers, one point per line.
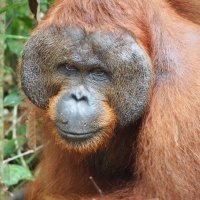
x=31, y=158
x=14, y=36
x=8, y=70
x=14, y=173
x=8, y=146
x=15, y=46
x=27, y=23
x=21, y=130
x=13, y=99
x=14, y=5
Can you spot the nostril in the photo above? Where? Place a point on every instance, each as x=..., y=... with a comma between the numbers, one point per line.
x=84, y=98
x=74, y=97
x=79, y=97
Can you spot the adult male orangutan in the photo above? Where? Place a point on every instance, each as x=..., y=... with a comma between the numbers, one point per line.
x=115, y=85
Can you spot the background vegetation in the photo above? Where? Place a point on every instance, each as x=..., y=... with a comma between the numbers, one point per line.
x=18, y=159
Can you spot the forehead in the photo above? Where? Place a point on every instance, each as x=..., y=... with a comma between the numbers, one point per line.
x=73, y=45
x=97, y=40
x=91, y=48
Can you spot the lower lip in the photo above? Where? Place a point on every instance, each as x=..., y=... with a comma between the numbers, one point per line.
x=75, y=135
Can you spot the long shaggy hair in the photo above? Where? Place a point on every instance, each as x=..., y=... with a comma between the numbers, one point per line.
x=165, y=155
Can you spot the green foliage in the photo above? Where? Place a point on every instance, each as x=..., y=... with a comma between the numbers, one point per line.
x=8, y=70
x=13, y=99
x=15, y=173
x=12, y=6
x=9, y=145
x=19, y=23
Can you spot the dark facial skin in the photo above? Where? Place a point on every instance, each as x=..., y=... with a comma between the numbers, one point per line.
x=87, y=70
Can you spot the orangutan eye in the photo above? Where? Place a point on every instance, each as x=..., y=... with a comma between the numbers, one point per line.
x=66, y=66
x=70, y=67
x=98, y=72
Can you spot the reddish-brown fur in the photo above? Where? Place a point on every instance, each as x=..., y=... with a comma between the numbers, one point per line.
x=167, y=151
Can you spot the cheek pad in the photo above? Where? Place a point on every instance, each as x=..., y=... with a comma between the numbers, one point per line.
x=36, y=78
x=132, y=80
x=32, y=81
